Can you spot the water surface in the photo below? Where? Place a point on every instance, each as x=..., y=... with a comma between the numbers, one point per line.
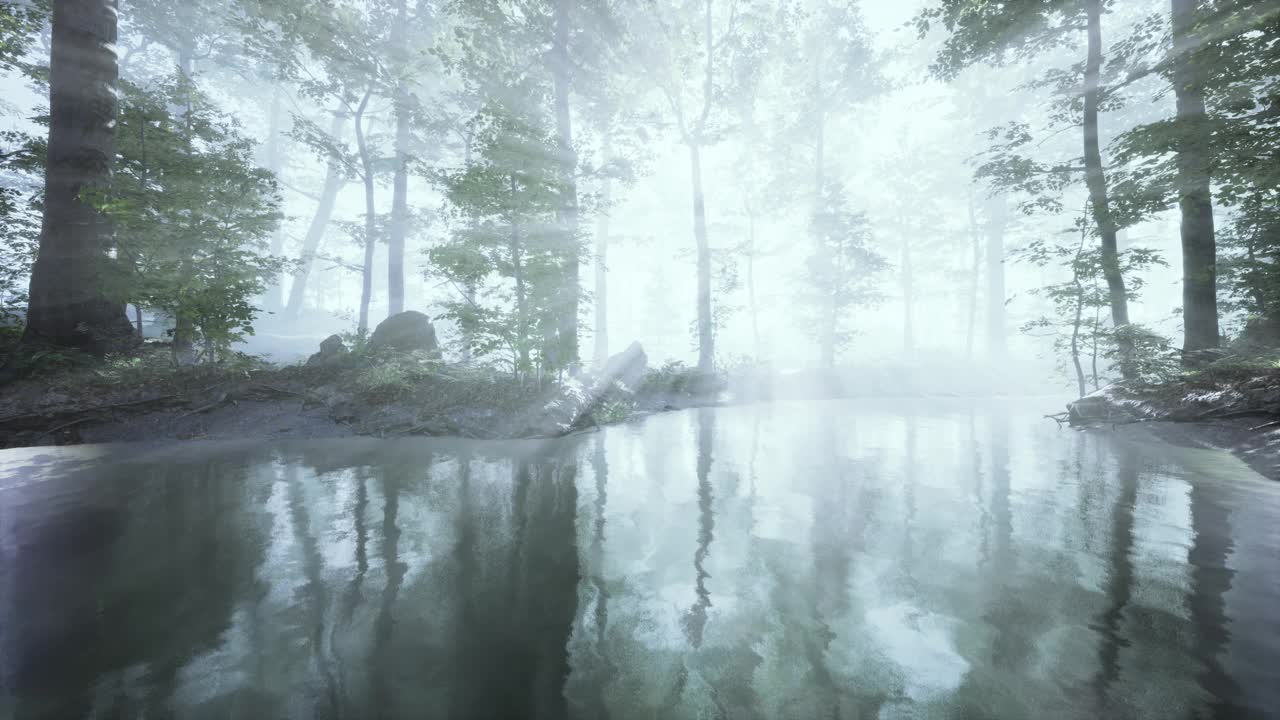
x=816, y=560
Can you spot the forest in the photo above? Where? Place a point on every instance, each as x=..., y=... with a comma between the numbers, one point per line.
x=779, y=196
x=613, y=359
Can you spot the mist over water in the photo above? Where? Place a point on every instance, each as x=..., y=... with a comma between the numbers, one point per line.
x=824, y=559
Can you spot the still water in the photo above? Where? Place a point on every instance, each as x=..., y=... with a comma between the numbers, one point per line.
x=816, y=560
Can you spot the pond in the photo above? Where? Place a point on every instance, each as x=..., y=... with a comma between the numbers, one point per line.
x=843, y=559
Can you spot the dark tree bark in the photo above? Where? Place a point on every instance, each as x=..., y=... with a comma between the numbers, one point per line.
x=68, y=306
x=1195, y=198
x=333, y=183
x=567, y=342
x=1096, y=180
x=400, y=185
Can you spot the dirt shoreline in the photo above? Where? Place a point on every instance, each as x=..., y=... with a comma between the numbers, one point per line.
x=1258, y=448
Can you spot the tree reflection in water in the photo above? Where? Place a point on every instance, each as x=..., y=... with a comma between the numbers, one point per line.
x=831, y=560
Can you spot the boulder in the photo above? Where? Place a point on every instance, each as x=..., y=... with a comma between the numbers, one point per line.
x=332, y=349
x=627, y=369
x=409, y=331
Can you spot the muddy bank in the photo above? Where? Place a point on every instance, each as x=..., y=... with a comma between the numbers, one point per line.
x=1236, y=409
x=392, y=394
x=1258, y=448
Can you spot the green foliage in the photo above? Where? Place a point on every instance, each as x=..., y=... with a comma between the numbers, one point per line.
x=1082, y=336
x=677, y=378
x=191, y=211
x=841, y=273
x=21, y=162
x=20, y=23
x=507, y=254
x=997, y=33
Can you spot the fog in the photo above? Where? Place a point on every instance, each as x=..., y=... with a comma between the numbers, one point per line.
x=904, y=145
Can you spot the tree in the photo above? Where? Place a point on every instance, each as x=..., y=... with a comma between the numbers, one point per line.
x=997, y=34
x=503, y=255
x=1224, y=67
x=1195, y=198
x=1076, y=324
x=192, y=214
x=68, y=304
x=840, y=273
x=337, y=170
x=697, y=67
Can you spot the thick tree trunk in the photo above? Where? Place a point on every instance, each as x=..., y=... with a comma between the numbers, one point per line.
x=370, y=216
x=1096, y=180
x=601, y=353
x=400, y=185
x=67, y=305
x=997, y=331
x=567, y=344
x=706, y=331
x=1195, y=198
x=333, y=182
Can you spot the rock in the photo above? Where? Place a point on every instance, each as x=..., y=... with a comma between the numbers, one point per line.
x=332, y=349
x=409, y=331
x=627, y=369
x=1101, y=407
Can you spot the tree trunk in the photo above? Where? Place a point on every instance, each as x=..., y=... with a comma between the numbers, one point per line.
x=400, y=186
x=567, y=345
x=752, y=306
x=1199, y=252
x=997, y=334
x=184, y=329
x=975, y=275
x=370, y=215
x=908, y=299
x=333, y=183
x=1096, y=180
x=706, y=332
x=275, y=163
x=68, y=305
x=522, y=312
x=1075, y=335
x=602, y=268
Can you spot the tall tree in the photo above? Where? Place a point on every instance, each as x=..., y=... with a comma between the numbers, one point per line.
x=1094, y=174
x=68, y=305
x=702, y=54
x=1195, y=198
x=998, y=34
x=400, y=183
x=336, y=169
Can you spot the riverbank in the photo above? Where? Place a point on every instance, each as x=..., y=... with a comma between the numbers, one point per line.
x=1229, y=407
x=386, y=394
